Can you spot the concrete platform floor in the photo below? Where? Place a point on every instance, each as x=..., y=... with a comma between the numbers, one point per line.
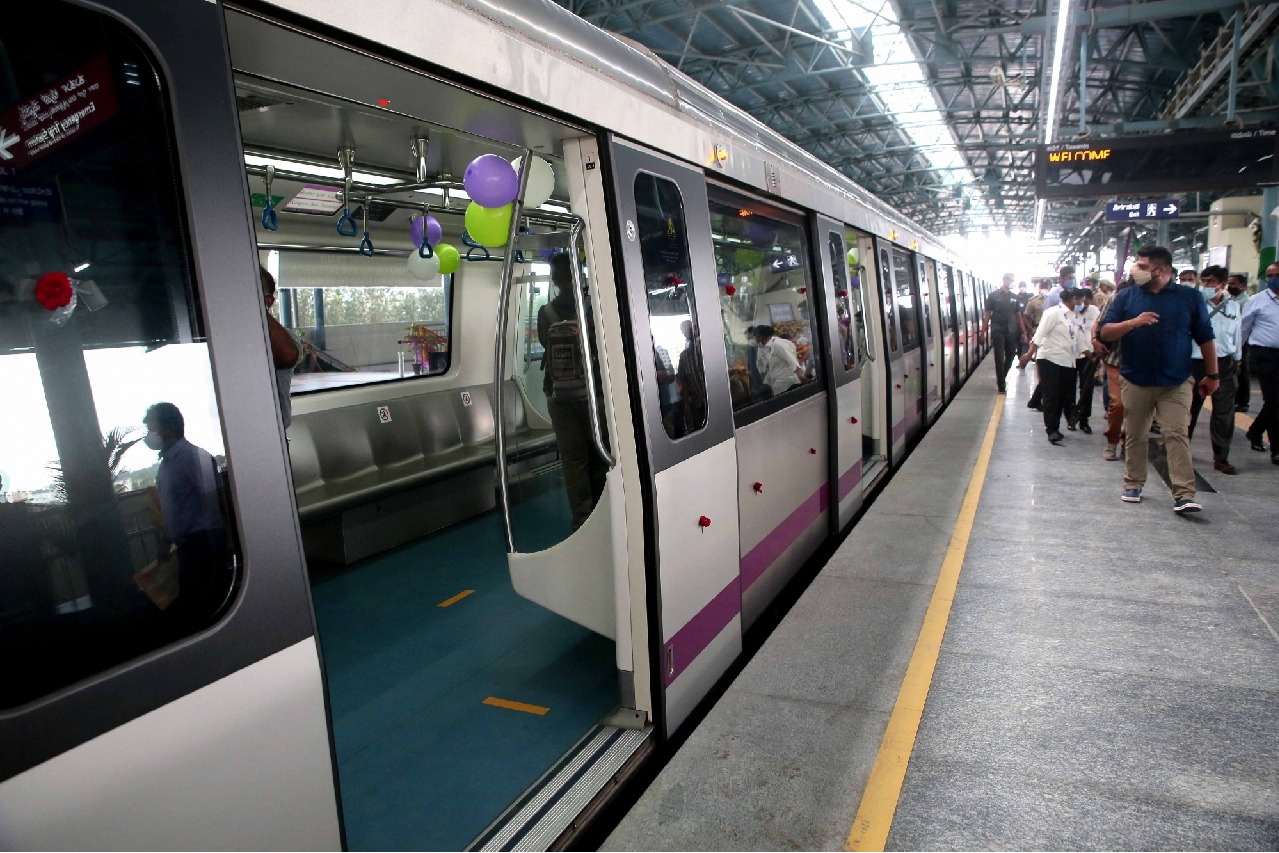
x=1109, y=678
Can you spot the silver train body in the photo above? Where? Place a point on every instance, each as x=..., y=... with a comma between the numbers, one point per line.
x=223, y=738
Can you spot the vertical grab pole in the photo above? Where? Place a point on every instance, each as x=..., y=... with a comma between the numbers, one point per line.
x=499, y=352
x=579, y=301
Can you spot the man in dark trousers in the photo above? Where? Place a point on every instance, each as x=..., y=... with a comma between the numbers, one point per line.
x=1003, y=322
x=1158, y=320
x=1260, y=328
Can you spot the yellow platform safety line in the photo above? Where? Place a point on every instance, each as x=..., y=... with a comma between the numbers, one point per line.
x=455, y=599
x=516, y=706
x=883, y=789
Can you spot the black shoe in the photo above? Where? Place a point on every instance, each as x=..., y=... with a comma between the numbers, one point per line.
x=1084, y=428
x=1070, y=426
x=1002, y=390
x=1057, y=438
x=1257, y=445
x=1241, y=408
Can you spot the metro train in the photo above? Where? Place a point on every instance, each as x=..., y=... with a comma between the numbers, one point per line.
x=414, y=627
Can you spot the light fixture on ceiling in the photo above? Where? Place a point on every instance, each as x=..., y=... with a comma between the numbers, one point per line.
x=1054, y=78
x=309, y=167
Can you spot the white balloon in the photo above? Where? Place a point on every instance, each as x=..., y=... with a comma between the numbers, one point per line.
x=424, y=269
x=541, y=182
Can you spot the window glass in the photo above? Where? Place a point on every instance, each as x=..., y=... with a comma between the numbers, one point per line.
x=861, y=286
x=890, y=310
x=763, y=276
x=925, y=295
x=843, y=270
x=947, y=285
x=360, y=319
x=108, y=549
x=668, y=286
x=907, y=321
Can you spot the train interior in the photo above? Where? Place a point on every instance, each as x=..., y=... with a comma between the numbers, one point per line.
x=450, y=692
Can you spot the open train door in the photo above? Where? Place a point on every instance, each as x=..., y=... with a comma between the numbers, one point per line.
x=686, y=423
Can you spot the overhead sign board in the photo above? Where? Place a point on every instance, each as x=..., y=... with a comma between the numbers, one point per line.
x=1128, y=211
x=1140, y=165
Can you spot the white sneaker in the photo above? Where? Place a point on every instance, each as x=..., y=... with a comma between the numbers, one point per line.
x=1111, y=453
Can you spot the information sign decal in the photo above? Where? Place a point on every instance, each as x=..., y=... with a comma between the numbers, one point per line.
x=1128, y=211
x=58, y=114
x=314, y=198
x=29, y=202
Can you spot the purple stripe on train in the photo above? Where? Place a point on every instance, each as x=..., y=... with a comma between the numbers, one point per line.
x=780, y=538
x=709, y=622
x=849, y=480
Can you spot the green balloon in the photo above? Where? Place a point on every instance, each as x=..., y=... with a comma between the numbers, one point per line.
x=450, y=260
x=488, y=226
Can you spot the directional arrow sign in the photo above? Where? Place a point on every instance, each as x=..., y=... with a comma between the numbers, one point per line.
x=7, y=141
x=1128, y=211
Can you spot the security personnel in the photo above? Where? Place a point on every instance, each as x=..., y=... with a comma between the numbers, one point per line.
x=1225, y=315
x=1004, y=310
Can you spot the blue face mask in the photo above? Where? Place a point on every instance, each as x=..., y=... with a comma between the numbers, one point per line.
x=1079, y=309
x=1208, y=292
x=1272, y=282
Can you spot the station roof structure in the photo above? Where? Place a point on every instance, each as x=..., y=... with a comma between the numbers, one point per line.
x=937, y=106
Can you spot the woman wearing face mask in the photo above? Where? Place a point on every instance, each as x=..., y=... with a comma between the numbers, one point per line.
x=1260, y=328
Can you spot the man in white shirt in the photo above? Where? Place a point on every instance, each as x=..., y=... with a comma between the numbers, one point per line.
x=782, y=370
x=1056, y=348
x=1225, y=314
x=1086, y=362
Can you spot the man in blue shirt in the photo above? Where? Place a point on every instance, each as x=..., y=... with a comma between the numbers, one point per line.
x=1157, y=321
x=1260, y=328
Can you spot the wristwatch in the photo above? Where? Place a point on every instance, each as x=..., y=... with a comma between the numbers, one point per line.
x=1212, y=376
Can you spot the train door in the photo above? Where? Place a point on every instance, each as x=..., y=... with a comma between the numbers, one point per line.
x=850, y=370
x=911, y=325
x=686, y=423
x=896, y=371
x=935, y=337
x=961, y=325
x=163, y=686
x=950, y=367
x=864, y=305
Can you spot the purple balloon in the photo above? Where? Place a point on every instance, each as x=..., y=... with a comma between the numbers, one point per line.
x=547, y=254
x=434, y=231
x=490, y=181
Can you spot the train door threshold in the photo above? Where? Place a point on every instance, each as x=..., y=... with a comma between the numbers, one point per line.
x=557, y=804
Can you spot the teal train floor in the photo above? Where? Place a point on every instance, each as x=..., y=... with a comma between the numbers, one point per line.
x=423, y=764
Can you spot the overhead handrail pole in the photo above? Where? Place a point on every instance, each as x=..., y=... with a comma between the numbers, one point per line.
x=499, y=351
x=579, y=300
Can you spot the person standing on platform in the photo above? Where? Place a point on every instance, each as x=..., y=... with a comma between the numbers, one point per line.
x=1260, y=328
x=1225, y=315
x=1023, y=297
x=1086, y=362
x=1187, y=278
x=1056, y=347
x=1157, y=320
x=1065, y=281
x=1030, y=318
x=1237, y=287
x=1003, y=322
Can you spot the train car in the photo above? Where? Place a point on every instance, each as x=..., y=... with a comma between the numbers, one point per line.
x=408, y=410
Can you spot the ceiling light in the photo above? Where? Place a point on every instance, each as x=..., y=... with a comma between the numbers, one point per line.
x=308, y=167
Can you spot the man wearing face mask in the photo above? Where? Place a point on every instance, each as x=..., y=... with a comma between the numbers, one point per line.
x=1224, y=314
x=1237, y=287
x=1158, y=320
x=1065, y=281
x=1260, y=328
x=1187, y=278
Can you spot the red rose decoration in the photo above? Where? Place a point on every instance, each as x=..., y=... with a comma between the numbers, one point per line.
x=729, y=289
x=675, y=279
x=53, y=290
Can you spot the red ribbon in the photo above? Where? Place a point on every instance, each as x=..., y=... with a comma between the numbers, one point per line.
x=53, y=290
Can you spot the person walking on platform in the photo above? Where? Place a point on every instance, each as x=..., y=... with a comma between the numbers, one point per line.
x=1157, y=320
x=1086, y=362
x=1225, y=315
x=1260, y=328
x=1056, y=345
x=1237, y=287
x=1033, y=313
x=1003, y=320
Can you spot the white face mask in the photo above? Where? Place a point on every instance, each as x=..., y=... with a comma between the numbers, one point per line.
x=1141, y=277
x=153, y=441
x=1208, y=292
x=1079, y=309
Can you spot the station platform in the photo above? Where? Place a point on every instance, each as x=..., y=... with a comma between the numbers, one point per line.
x=1004, y=655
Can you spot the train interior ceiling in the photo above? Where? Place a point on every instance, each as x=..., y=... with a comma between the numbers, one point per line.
x=446, y=686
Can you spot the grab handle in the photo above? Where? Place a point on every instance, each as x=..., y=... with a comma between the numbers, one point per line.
x=270, y=221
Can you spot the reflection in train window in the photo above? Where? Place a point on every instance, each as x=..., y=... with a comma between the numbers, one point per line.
x=925, y=294
x=672, y=310
x=890, y=312
x=116, y=536
x=360, y=319
x=905, y=300
x=844, y=267
x=762, y=271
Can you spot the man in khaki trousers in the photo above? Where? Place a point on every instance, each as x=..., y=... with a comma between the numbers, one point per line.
x=1157, y=321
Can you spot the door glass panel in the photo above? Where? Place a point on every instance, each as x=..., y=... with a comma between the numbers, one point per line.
x=890, y=304
x=925, y=296
x=668, y=287
x=843, y=266
x=108, y=549
x=907, y=320
x=762, y=270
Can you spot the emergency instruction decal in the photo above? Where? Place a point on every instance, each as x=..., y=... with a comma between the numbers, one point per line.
x=58, y=113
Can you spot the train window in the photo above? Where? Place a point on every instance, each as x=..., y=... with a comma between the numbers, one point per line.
x=115, y=531
x=860, y=245
x=763, y=276
x=843, y=268
x=672, y=310
x=360, y=319
x=925, y=295
x=946, y=293
x=906, y=317
x=890, y=312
